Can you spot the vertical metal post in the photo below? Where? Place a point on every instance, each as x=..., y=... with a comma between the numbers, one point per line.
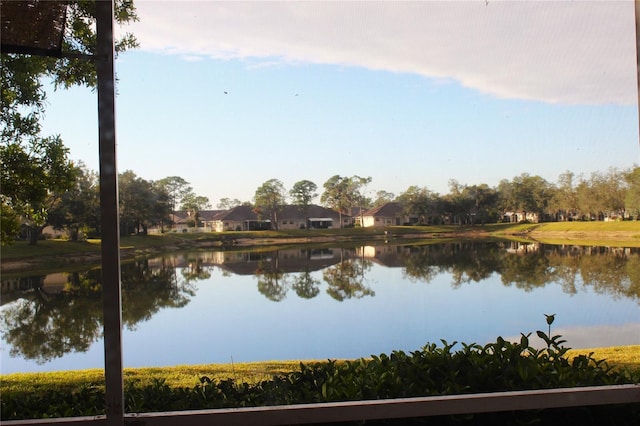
x=637, y=7
x=111, y=292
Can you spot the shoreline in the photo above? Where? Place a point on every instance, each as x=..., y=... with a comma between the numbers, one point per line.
x=134, y=246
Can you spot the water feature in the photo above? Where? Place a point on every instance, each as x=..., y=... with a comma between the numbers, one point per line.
x=323, y=302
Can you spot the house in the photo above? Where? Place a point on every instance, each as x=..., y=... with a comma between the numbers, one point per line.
x=520, y=216
x=183, y=221
x=246, y=218
x=389, y=214
x=208, y=218
x=317, y=217
x=239, y=218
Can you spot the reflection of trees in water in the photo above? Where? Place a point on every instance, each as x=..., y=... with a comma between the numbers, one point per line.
x=275, y=284
x=195, y=270
x=612, y=271
x=305, y=285
x=346, y=280
x=43, y=326
x=147, y=290
x=465, y=261
x=525, y=271
x=272, y=281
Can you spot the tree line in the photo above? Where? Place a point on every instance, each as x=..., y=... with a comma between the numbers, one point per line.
x=72, y=203
x=614, y=194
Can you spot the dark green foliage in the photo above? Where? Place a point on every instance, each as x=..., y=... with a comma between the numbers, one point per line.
x=434, y=370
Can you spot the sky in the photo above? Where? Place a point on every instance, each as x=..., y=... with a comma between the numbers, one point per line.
x=228, y=95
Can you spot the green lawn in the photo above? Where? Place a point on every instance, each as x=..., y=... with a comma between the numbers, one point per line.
x=621, y=226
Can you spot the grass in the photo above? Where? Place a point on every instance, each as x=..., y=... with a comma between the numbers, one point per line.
x=596, y=226
x=178, y=376
x=611, y=234
x=22, y=249
x=249, y=372
x=616, y=356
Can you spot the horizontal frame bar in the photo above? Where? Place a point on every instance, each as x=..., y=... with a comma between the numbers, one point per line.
x=371, y=409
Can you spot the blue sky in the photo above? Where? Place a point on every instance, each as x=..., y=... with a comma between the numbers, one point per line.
x=406, y=93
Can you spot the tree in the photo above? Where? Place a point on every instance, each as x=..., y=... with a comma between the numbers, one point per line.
x=25, y=153
x=470, y=204
x=565, y=199
x=194, y=204
x=632, y=199
x=270, y=197
x=227, y=203
x=335, y=195
x=603, y=195
x=33, y=178
x=142, y=204
x=176, y=187
x=343, y=193
x=9, y=223
x=358, y=189
x=417, y=203
x=460, y=202
x=586, y=200
x=302, y=193
x=79, y=207
x=382, y=198
x=525, y=193
x=613, y=192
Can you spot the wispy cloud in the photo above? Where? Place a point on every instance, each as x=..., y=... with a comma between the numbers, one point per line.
x=558, y=52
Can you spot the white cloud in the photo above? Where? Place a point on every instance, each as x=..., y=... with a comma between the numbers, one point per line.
x=559, y=52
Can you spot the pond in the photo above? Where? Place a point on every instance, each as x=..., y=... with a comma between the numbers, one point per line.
x=323, y=302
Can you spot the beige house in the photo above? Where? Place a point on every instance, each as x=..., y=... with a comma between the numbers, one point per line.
x=244, y=218
x=517, y=217
x=240, y=218
x=389, y=214
x=316, y=217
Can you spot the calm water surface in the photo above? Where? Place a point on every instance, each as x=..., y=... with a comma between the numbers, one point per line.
x=319, y=303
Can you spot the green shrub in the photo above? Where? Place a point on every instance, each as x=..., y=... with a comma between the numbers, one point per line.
x=433, y=370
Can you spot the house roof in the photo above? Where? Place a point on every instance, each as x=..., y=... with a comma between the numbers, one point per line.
x=392, y=209
x=209, y=215
x=238, y=214
x=179, y=217
x=244, y=213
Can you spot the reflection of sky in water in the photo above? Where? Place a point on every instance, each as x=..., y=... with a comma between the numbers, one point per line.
x=228, y=319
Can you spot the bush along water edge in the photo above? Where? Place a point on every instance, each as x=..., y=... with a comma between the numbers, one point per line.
x=433, y=370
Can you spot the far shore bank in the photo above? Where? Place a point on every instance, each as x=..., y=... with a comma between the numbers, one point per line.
x=51, y=254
